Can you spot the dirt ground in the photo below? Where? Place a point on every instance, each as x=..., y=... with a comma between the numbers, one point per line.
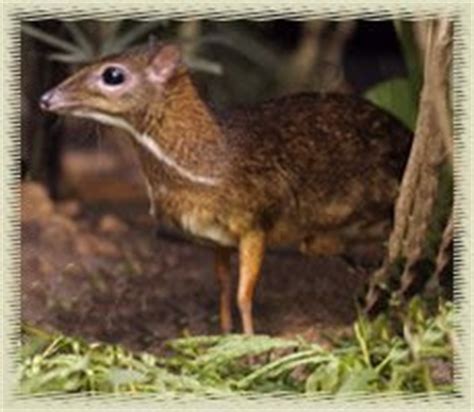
x=104, y=274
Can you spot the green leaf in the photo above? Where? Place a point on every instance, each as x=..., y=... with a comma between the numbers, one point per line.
x=69, y=58
x=121, y=42
x=121, y=376
x=404, y=30
x=325, y=378
x=49, y=39
x=358, y=381
x=285, y=363
x=396, y=97
x=80, y=38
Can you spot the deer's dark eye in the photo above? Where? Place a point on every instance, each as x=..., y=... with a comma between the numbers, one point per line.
x=113, y=76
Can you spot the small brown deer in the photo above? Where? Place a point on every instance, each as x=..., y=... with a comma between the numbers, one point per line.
x=316, y=170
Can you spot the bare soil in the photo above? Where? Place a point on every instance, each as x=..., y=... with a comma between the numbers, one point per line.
x=102, y=273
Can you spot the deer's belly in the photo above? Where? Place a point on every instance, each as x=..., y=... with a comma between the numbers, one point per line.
x=204, y=228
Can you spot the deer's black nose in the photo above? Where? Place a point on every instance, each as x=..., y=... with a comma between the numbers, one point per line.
x=45, y=100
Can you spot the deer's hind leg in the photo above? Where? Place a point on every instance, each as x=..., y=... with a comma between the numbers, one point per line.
x=222, y=269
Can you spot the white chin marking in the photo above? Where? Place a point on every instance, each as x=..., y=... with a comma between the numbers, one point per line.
x=149, y=143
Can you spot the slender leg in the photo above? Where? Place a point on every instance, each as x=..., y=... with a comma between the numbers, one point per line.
x=222, y=268
x=251, y=252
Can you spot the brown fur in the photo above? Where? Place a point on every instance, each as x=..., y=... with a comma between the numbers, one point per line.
x=319, y=170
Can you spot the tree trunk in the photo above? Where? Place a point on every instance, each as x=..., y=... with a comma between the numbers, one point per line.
x=432, y=145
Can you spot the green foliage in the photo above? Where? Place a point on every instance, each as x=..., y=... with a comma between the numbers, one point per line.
x=396, y=97
x=404, y=30
x=83, y=47
x=82, y=42
x=375, y=359
x=60, y=363
x=400, y=96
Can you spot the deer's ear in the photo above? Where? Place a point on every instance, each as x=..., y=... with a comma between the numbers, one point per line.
x=164, y=64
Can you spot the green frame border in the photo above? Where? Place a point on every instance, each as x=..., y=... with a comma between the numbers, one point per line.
x=13, y=13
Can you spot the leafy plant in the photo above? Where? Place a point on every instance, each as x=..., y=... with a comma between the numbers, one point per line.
x=395, y=96
x=400, y=96
x=374, y=359
x=83, y=47
x=86, y=44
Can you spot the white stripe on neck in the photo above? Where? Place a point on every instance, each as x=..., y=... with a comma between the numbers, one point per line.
x=149, y=143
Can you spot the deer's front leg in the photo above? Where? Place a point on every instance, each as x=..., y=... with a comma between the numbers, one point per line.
x=251, y=252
